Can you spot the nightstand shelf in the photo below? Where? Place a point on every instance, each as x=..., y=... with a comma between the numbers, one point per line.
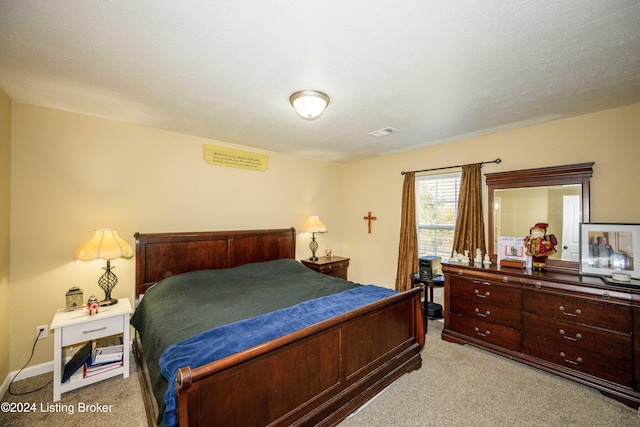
x=72, y=328
x=335, y=266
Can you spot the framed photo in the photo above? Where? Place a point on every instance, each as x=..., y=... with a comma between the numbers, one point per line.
x=608, y=248
x=511, y=248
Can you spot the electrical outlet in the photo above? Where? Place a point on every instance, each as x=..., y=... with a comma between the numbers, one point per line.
x=438, y=292
x=44, y=333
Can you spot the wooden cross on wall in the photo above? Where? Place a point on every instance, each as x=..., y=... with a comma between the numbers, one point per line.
x=370, y=218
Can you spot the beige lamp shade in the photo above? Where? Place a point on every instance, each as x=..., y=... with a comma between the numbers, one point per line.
x=314, y=225
x=103, y=244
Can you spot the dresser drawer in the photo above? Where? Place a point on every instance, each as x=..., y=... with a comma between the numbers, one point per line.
x=484, y=275
x=338, y=269
x=607, y=316
x=537, y=331
x=485, y=331
x=482, y=291
x=94, y=329
x=609, y=368
x=498, y=315
x=593, y=293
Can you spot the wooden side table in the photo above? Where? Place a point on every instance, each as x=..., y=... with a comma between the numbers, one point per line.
x=77, y=327
x=436, y=282
x=430, y=284
x=335, y=266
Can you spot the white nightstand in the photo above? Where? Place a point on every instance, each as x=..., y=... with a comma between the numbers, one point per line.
x=75, y=327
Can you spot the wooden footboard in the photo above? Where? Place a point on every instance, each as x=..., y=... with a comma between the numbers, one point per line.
x=339, y=365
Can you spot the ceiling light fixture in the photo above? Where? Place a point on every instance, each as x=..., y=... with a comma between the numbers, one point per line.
x=309, y=104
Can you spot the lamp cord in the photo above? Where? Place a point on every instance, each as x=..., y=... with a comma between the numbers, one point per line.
x=21, y=369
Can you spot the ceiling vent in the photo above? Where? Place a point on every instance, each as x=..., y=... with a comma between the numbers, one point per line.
x=383, y=132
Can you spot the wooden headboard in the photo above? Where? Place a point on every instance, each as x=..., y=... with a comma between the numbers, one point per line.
x=160, y=255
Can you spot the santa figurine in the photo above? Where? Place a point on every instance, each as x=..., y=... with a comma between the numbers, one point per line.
x=540, y=245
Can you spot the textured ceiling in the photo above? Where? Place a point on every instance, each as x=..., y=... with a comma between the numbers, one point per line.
x=435, y=70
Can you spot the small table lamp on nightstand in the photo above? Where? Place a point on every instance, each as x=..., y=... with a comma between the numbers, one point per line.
x=105, y=244
x=313, y=226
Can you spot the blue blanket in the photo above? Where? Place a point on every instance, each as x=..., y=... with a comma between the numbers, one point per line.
x=229, y=339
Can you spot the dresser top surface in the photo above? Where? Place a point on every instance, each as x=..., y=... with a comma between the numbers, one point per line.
x=603, y=282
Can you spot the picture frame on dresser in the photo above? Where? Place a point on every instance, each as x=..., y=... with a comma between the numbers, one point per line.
x=610, y=248
x=511, y=248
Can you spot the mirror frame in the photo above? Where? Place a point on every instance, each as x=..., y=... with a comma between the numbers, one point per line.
x=579, y=173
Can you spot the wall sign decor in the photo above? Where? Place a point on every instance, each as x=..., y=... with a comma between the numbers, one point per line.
x=222, y=156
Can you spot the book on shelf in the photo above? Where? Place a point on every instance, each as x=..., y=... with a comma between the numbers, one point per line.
x=96, y=357
x=92, y=369
x=77, y=361
x=107, y=350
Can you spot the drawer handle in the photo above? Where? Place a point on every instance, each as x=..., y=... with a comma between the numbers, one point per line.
x=459, y=272
x=576, y=362
x=505, y=279
x=486, y=314
x=487, y=333
x=538, y=285
x=94, y=330
x=578, y=336
x=578, y=311
x=486, y=294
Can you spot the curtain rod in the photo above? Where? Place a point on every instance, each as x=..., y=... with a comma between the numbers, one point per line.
x=450, y=167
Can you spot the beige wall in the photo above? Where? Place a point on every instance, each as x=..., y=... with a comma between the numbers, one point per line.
x=5, y=224
x=73, y=173
x=610, y=138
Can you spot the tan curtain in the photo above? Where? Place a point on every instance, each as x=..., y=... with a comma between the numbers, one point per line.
x=408, y=248
x=469, y=234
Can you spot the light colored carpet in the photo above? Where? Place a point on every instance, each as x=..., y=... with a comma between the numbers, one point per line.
x=463, y=386
x=121, y=397
x=456, y=386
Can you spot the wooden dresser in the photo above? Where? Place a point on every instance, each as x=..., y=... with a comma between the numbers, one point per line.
x=575, y=326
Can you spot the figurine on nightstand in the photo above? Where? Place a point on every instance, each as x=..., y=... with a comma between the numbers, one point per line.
x=92, y=305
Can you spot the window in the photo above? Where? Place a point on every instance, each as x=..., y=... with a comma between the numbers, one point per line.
x=437, y=205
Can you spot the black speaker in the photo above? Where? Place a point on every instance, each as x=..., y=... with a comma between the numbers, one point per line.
x=429, y=266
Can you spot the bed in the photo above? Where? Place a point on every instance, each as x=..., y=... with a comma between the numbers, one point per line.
x=310, y=371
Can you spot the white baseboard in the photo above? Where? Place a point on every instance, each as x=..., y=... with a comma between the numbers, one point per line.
x=28, y=372
x=5, y=385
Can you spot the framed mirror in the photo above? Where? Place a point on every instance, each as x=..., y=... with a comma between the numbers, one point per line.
x=557, y=195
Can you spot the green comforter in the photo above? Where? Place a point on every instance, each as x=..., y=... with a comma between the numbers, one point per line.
x=181, y=306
